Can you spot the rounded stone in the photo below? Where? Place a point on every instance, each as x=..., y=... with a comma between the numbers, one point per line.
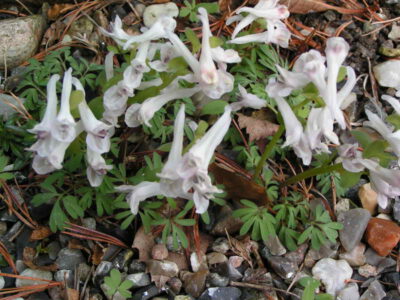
x=35, y=274
x=68, y=259
x=19, y=39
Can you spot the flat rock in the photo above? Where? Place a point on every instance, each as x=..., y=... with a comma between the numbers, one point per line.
x=139, y=279
x=221, y=293
x=333, y=274
x=355, y=257
x=195, y=283
x=368, y=271
x=355, y=221
x=35, y=274
x=275, y=246
x=368, y=197
x=374, y=292
x=19, y=39
x=382, y=235
x=283, y=266
x=162, y=267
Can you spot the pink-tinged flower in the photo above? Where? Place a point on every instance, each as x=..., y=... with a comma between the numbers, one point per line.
x=117, y=33
x=167, y=52
x=386, y=182
x=351, y=158
x=97, y=168
x=247, y=100
x=63, y=128
x=45, y=142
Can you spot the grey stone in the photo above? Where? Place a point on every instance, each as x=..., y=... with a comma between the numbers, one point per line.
x=19, y=264
x=333, y=274
x=350, y=292
x=328, y=250
x=275, y=246
x=102, y=270
x=355, y=222
x=342, y=206
x=221, y=245
x=162, y=267
x=137, y=266
x=53, y=249
x=139, y=279
x=198, y=264
x=298, y=255
x=19, y=39
x=122, y=260
x=374, y=292
x=35, y=274
x=68, y=259
x=216, y=258
x=175, y=284
x=153, y=12
x=89, y=223
x=65, y=276
x=221, y=293
x=216, y=280
x=395, y=32
x=284, y=267
x=396, y=209
x=355, y=257
x=381, y=262
x=227, y=270
x=2, y=282
x=146, y=293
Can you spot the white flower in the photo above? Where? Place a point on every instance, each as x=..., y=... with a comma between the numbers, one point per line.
x=44, y=144
x=229, y=56
x=393, y=102
x=387, y=133
x=294, y=129
x=278, y=34
x=194, y=165
x=117, y=33
x=140, y=192
x=167, y=52
x=158, y=30
x=267, y=9
x=336, y=51
x=97, y=168
x=42, y=165
x=293, y=80
x=64, y=127
x=138, y=114
x=247, y=100
x=346, y=90
x=386, y=182
x=109, y=65
x=351, y=158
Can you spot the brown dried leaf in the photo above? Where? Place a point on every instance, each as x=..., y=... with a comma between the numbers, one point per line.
x=40, y=233
x=144, y=242
x=305, y=6
x=28, y=256
x=58, y=9
x=72, y=294
x=256, y=128
x=237, y=186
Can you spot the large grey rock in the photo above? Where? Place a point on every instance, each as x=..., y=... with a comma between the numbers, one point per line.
x=19, y=39
x=355, y=222
x=333, y=274
x=374, y=292
x=221, y=293
x=350, y=292
x=35, y=274
x=68, y=259
x=283, y=266
x=275, y=246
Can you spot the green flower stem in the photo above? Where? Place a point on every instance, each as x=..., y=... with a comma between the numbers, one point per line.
x=313, y=172
x=268, y=150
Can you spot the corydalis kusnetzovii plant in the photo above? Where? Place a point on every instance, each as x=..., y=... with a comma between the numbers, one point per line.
x=185, y=176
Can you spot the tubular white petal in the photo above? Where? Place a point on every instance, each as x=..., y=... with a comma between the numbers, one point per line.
x=348, y=86
x=146, y=84
x=247, y=100
x=132, y=117
x=376, y=123
x=96, y=169
x=278, y=12
x=41, y=165
x=251, y=38
x=175, y=154
x=278, y=34
x=184, y=52
x=393, y=102
x=204, y=148
x=246, y=21
x=225, y=56
x=294, y=80
x=64, y=126
x=140, y=192
x=109, y=65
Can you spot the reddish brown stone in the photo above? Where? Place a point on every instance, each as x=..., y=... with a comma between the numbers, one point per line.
x=382, y=235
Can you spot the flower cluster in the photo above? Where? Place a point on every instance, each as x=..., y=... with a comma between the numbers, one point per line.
x=57, y=131
x=272, y=13
x=310, y=67
x=185, y=176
